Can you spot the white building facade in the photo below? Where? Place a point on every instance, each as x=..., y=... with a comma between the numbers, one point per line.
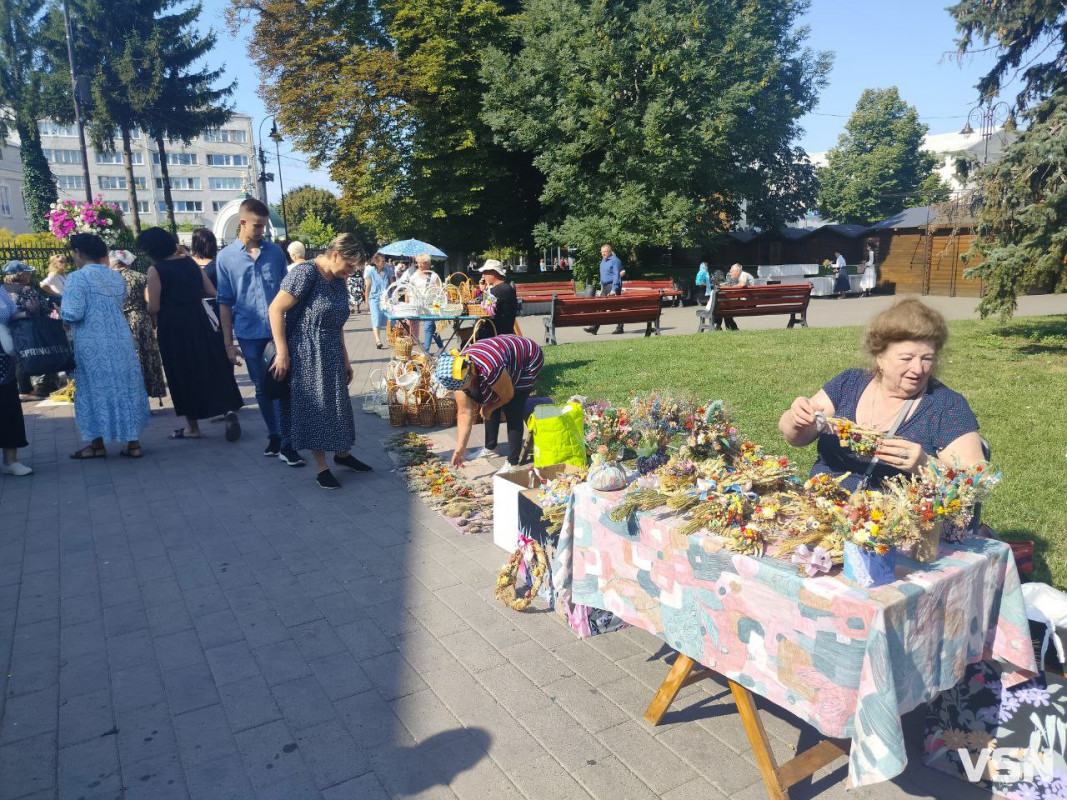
x=218, y=166
x=13, y=216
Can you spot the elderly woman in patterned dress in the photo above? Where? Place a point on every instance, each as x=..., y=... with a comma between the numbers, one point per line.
x=307, y=320
x=144, y=334
x=110, y=403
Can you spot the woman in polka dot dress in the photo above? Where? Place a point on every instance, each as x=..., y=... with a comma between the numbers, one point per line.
x=307, y=319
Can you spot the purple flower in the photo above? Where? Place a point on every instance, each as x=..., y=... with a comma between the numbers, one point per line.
x=1034, y=695
x=1025, y=791
x=988, y=715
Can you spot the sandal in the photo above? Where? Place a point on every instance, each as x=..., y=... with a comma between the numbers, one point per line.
x=179, y=433
x=89, y=452
x=132, y=452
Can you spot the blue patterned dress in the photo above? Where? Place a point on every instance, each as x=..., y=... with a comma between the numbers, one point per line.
x=109, y=399
x=318, y=389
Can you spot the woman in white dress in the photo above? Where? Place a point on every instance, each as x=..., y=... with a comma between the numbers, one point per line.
x=869, y=279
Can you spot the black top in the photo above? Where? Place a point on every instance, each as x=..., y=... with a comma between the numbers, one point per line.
x=507, y=307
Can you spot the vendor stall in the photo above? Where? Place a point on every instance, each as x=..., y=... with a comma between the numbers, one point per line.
x=848, y=660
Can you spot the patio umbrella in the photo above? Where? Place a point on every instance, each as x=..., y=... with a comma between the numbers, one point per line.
x=409, y=248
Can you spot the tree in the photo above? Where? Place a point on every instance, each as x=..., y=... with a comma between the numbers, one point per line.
x=878, y=167
x=314, y=232
x=651, y=121
x=308, y=201
x=1021, y=201
x=183, y=103
x=23, y=86
x=398, y=126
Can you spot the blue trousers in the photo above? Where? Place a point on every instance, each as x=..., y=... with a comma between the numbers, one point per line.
x=275, y=412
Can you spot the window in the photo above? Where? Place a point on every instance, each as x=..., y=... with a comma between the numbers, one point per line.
x=116, y=158
x=124, y=206
x=226, y=160
x=217, y=205
x=63, y=156
x=183, y=206
x=180, y=184
x=70, y=182
x=177, y=159
x=224, y=184
x=111, y=182
x=5, y=202
x=235, y=136
x=49, y=128
x=134, y=134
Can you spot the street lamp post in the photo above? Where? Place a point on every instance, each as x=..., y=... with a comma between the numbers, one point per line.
x=78, y=86
x=277, y=137
x=264, y=176
x=988, y=116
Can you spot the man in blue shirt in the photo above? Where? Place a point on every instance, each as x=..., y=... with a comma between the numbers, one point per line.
x=611, y=272
x=250, y=272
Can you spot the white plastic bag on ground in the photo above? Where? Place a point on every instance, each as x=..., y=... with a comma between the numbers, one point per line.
x=1047, y=605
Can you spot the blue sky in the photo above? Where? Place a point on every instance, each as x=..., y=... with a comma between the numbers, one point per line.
x=909, y=44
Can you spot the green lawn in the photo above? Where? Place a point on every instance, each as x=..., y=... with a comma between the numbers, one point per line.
x=1014, y=375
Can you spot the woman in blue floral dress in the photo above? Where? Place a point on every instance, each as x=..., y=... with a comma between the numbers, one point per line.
x=110, y=403
x=307, y=319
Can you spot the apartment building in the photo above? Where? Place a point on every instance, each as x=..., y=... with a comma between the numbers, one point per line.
x=13, y=215
x=205, y=175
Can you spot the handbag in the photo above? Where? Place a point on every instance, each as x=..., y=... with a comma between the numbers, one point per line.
x=42, y=346
x=270, y=386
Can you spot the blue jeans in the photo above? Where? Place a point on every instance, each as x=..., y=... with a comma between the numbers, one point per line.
x=275, y=412
x=430, y=334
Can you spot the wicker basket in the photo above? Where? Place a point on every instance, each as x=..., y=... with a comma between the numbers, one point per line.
x=464, y=286
x=396, y=415
x=477, y=310
x=426, y=414
x=403, y=346
x=446, y=411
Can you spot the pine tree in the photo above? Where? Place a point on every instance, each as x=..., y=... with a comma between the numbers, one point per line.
x=184, y=103
x=1021, y=201
x=23, y=88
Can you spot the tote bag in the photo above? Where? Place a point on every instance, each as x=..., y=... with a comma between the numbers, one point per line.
x=42, y=345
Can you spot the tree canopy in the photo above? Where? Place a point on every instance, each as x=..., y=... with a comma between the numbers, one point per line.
x=878, y=167
x=1021, y=201
x=652, y=121
x=24, y=89
x=386, y=94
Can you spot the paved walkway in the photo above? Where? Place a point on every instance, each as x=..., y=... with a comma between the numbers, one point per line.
x=207, y=623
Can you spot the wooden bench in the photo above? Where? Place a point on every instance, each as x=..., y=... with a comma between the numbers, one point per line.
x=758, y=301
x=580, y=312
x=666, y=285
x=542, y=292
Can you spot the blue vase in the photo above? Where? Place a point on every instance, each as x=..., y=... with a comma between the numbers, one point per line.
x=867, y=568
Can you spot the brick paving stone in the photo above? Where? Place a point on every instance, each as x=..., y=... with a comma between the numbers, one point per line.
x=472, y=650
x=231, y=662
x=281, y=662
x=646, y=757
x=700, y=789
x=190, y=687
x=365, y=787
x=30, y=714
x=179, y=649
x=27, y=765
x=221, y=779
x=340, y=676
x=248, y=703
x=156, y=778
x=392, y=676
x=331, y=754
x=86, y=716
x=90, y=770
x=274, y=763
x=530, y=658
x=204, y=735
x=585, y=703
x=608, y=779
x=545, y=777
x=303, y=703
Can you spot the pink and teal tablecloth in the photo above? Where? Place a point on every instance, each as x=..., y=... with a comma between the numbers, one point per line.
x=849, y=661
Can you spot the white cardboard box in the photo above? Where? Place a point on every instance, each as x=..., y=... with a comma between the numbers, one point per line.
x=506, y=490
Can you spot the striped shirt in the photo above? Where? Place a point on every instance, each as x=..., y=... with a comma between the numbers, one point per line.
x=518, y=356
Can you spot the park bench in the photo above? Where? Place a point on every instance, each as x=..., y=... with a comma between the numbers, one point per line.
x=542, y=292
x=580, y=312
x=757, y=301
x=666, y=285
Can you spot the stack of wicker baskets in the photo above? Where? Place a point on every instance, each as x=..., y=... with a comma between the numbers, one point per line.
x=411, y=396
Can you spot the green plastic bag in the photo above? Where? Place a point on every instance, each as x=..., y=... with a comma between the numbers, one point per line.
x=558, y=435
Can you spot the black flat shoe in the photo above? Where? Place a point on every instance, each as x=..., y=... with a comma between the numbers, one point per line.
x=326, y=480
x=352, y=463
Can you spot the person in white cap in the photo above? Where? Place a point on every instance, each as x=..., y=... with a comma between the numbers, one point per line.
x=507, y=303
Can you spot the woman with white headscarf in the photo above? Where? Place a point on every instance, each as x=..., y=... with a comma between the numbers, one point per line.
x=135, y=308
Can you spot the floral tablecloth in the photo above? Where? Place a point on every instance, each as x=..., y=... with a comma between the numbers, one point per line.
x=849, y=661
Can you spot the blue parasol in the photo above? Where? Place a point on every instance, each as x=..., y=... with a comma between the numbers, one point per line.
x=409, y=248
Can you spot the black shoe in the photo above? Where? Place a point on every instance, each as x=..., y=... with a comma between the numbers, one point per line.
x=590, y=330
x=618, y=330
x=274, y=446
x=291, y=457
x=233, y=426
x=352, y=463
x=326, y=480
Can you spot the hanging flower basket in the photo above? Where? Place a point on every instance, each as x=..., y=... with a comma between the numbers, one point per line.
x=68, y=217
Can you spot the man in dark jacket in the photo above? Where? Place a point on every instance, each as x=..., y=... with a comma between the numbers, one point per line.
x=507, y=303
